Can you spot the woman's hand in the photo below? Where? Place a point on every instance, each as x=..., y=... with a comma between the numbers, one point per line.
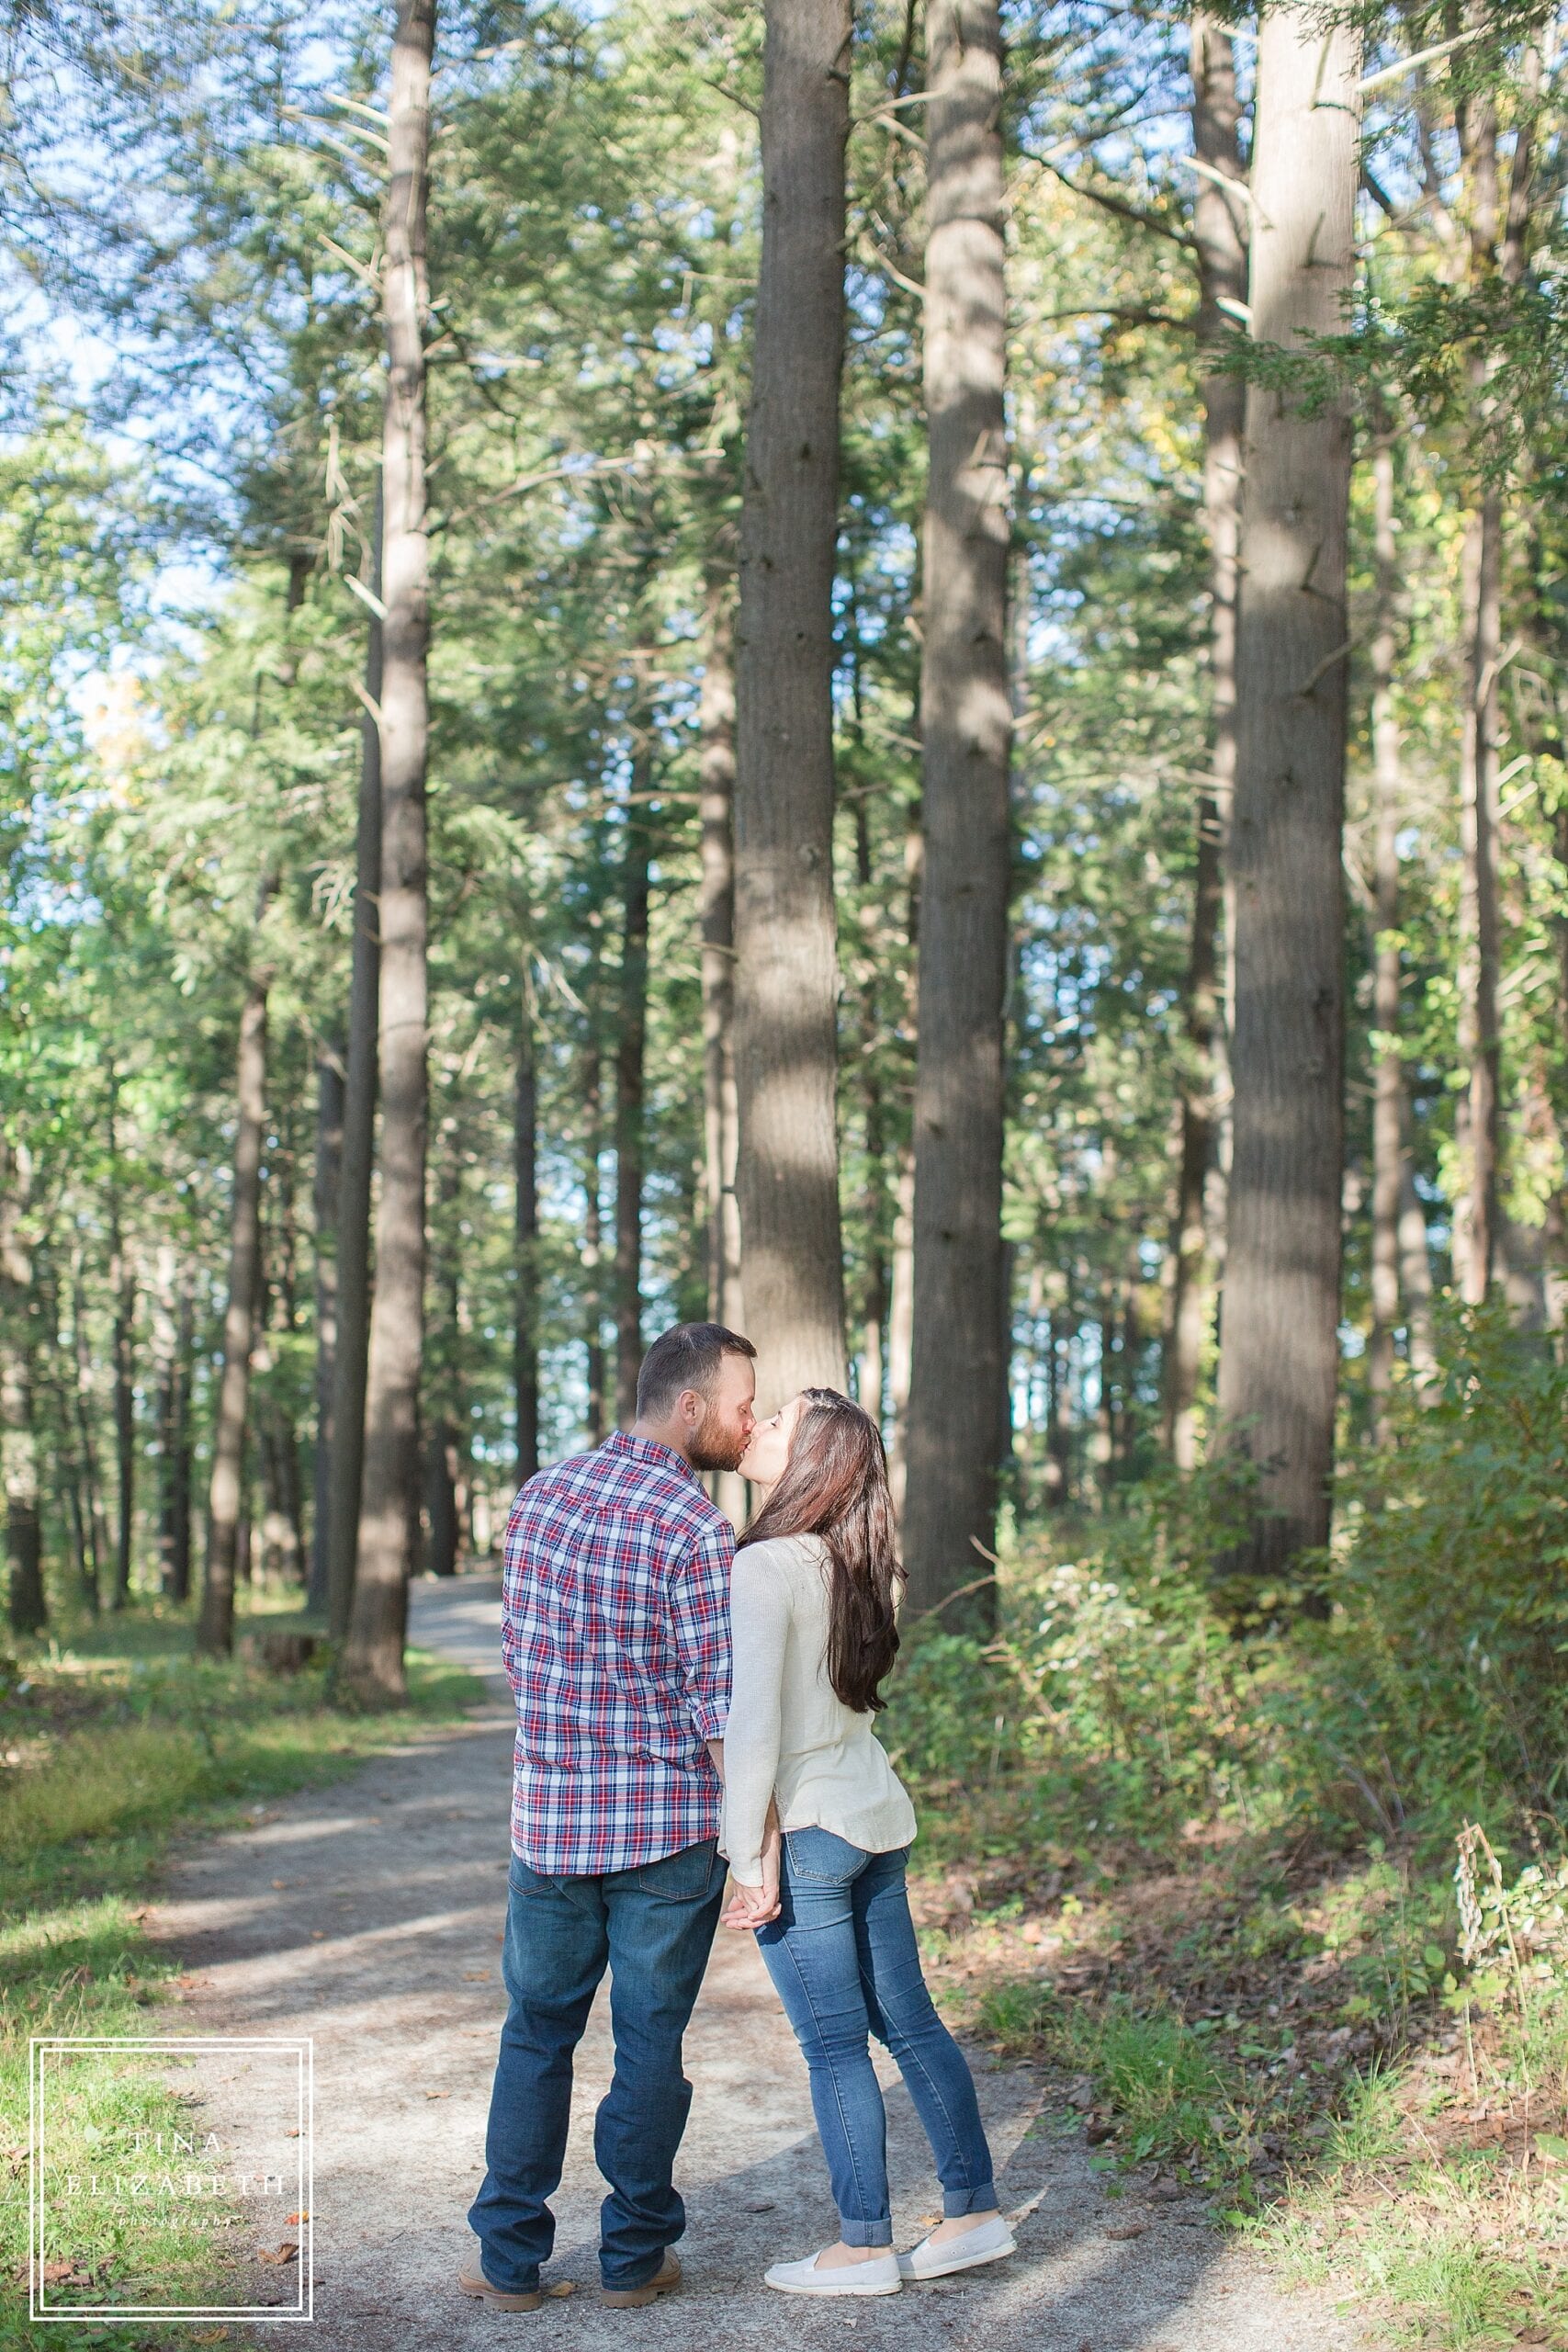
x=750, y=1906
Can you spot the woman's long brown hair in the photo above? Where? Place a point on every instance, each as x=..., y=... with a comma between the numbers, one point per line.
x=835, y=1486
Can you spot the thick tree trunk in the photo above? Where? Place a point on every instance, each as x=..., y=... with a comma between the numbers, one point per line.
x=717, y=911
x=785, y=974
x=873, y=1304
x=631, y=1033
x=331, y=1076
x=1280, y=1354
x=958, y=1383
x=373, y=1654
x=350, y=1356
x=525, y=1204
x=215, y=1632
x=901, y=1267
x=1388, y=1100
x=1219, y=226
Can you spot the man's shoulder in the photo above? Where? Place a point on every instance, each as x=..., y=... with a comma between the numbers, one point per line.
x=609, y=1481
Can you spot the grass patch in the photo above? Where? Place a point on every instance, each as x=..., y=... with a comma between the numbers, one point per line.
x=110, y=1744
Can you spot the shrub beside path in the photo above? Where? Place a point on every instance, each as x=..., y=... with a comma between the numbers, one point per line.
x=368, y=1916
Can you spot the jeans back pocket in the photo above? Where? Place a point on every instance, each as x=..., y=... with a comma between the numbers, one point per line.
x=823, y=1854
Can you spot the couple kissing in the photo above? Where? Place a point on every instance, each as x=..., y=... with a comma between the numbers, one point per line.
x=681, y=1701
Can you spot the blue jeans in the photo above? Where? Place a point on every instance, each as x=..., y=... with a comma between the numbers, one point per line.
x=653, y=1928
x=844, y=1963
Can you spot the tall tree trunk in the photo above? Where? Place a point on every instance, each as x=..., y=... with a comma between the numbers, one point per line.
x=873, y=1307
x=168, y=1377
x=631, y=1032
x=122, y=1286
x=1280, y=1351
x=1498, y=244
x=441, y=1498
x=68, y=1475
x=29, y=1609
x=1388, y=1100
x=1218, y=221
x=175, y=1511
x=593, y=1217
x=901, y=1268
x=525, y=1168
x=215, y=1632
x=331, y=1086
x=717, y=910
x=958, y=1383
x=98, y=1533
x=351, y=1354
x=373, y=1654
x=786, y=960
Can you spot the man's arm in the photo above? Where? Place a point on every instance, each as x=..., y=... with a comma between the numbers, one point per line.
x=698, y=1592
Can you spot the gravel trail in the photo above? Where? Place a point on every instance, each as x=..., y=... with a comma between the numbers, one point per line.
x=368, y=1916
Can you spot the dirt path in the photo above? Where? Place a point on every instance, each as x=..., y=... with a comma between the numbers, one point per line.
x=368, y=1916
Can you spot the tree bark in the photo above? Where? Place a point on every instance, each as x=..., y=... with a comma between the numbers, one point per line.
x=373, y=1654
x=592, y=1215
x=28, y=1608
x=331, y=1086
x=901, y=1266
x=215, y=1632
x=958, y=1383
x=715, y=722
x=1218, y=228
x=1280, y=1355
x=785, y=973
x=441, y=1498
x=524, y=1165
x=631, y=1036
x=1499, y=246
x=351, y=1354
x=122, y=1287
x=1388, y=1099
x=98, y=1533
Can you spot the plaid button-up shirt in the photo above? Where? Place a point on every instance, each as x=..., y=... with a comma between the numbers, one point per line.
x=614, y=1631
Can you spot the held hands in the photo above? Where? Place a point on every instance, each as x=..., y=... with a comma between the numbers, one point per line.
x=753, y=1906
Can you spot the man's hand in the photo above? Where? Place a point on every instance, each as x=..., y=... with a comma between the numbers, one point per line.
x=753, y=1906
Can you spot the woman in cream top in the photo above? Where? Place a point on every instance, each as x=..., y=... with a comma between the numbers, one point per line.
x=792, y=1741
x=814, y=1618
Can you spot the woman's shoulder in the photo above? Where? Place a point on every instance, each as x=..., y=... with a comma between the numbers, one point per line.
x=781, y=1556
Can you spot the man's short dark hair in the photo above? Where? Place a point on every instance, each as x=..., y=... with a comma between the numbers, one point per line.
x=688, y=1356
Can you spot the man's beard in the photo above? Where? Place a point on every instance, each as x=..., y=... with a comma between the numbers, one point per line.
x=719, y=1452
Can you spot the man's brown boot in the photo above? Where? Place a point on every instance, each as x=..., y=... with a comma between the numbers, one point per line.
x=631, y=2298
x=472, y=2281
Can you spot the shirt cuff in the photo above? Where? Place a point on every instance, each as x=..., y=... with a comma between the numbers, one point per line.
x=709, y=1722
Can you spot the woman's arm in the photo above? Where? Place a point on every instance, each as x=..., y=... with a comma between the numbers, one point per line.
x=758, y=1610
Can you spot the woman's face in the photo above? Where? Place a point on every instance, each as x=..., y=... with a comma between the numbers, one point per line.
x=766, y=1458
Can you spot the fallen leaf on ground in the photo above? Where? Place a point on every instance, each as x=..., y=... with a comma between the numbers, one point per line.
x=928, y=2221
x=562, y=2288
x=1127, y=2230
x=290, y=2218
x=476, y=1976
x=437, y=2094
x=318, y=1934
x=211, y=2336
x=280, y=1882
x=277, y=2253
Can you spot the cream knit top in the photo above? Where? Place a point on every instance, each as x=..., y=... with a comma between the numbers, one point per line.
x=789, y=1732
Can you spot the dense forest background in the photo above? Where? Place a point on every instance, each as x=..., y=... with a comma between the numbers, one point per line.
x=904, y=851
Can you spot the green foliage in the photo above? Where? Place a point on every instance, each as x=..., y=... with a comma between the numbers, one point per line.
x=123, y=1741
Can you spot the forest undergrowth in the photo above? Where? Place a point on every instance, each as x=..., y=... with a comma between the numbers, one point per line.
x=113, y=1740
x=1276, y=1879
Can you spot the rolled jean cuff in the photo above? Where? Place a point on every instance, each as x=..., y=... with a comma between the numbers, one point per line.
x=956, y=2202
x=866, y=2233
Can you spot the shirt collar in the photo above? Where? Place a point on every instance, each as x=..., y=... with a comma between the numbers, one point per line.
x=649, y=1449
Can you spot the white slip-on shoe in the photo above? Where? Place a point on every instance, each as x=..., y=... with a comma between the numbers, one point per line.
x=882, y=2276
x=991, y=2241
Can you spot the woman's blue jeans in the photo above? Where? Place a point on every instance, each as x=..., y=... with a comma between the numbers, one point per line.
x=844, y=1963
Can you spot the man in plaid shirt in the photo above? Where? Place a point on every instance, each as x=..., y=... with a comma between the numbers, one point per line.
x=616, y=1638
